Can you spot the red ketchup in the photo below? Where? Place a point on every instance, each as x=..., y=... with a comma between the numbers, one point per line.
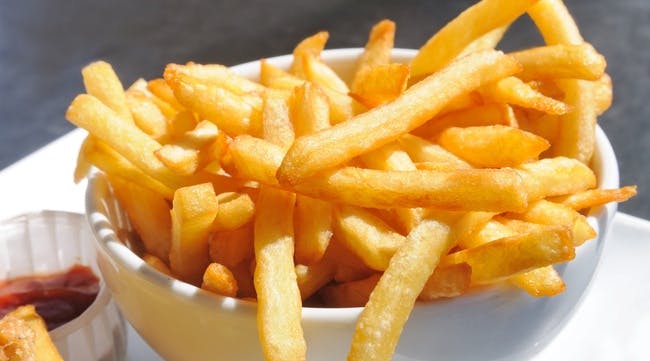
x=58, y=297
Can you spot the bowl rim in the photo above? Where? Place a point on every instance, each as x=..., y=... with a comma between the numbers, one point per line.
x=108, y=242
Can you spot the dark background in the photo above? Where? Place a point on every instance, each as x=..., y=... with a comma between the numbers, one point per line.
x=44, y=44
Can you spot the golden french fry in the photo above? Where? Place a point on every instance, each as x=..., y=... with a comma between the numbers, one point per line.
x=182, y=122
x=312, y=278
x=309, y=109
x=276, y=123
x=235, y=210
x=255, y=159
x=231, y=247
x=471, y=24
x=488, y=114
x=382, y=320
x=367, y=236
x=580, y=61
x=377, y=50
x=149, y=214
x=24, y=336
x=146, y=114
x=245, y=285
x=348, y=267
x=320, y=73
x=273, y=77
x=162, y=91
x=231, y=112
x=204, y=133
x=316, y=152
x=596, y=197
x=278, y=297
x=494, y=146
x=555, y=177
x=421, y=150
x=578, y=126
x=549, y=213
x=447, y=281
x=469, y=224
x=89, y=113
x=101, y=82
x=491, y=231
x=540, y=282
x=603, y=93
x=157, y=264
x=467, y=189
x=505, y=257
x=313, y=229
x=193, y=212
x=313, y=46
x=513, y=90
x=486, y=41
x=342, y=106
x=83, y=165
x=350, y=294
x=380, y=84
x=181, y=160
x=218, y=75
x=110, y=162
x=391, y=157
x=218, y=279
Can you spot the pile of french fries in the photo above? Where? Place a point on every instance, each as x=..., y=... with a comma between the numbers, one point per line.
x=406, y=182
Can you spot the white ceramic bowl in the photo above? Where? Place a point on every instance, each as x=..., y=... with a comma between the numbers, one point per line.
x=49, y=242
x=182, y=322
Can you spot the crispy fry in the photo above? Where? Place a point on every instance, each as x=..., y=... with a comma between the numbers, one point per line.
x=381, y=125
x=549, y=213
x=367, y=236
x=488, y=114
x=540, y=282
x=505, y=257
x=231, y=247
x=192, y=214
x=146, y=115
x=149, y=214
x=555, y=177
x=101, y=82
x=380, y=84
x=514, y=91
x=313, y=229
x=157, y=264
x=577, y=127
x=235, y=210
x=447, y=281
x=494, y=146
x=89, y=113
x=218, y=279
x=320, y=73
x=218, y=75
x=278, y=297
x=471, y=24
x=309, y=109
x=580, y=61
x=276, y=124
x=486, y=41
x=311, y=46
x=312, y=278
x=596, y=197
x=233, y=113
x=376, y=52
x=381, y=321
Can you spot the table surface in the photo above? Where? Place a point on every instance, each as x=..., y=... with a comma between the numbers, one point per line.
x=44, y=44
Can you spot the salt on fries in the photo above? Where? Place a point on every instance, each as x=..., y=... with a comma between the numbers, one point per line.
x=465, y=167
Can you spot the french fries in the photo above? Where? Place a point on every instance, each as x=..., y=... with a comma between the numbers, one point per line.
x=412, y=182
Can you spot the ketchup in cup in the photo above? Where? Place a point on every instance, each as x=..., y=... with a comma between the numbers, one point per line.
x=58, y=297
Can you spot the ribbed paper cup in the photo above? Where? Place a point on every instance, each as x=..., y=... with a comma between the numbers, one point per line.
x=50, y=242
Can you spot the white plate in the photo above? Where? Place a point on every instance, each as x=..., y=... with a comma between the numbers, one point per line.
x=611, y=324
